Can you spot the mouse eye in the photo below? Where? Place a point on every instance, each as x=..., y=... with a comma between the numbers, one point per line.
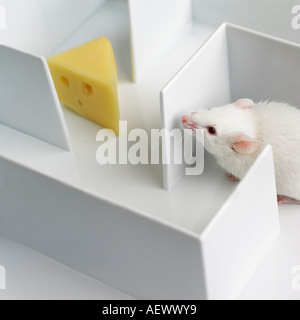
x=212, y=131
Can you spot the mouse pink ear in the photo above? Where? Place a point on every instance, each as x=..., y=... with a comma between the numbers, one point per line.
x=245, y=103
x=245, y=145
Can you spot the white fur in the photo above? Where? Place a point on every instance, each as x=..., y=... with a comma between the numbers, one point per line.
x=277, y=124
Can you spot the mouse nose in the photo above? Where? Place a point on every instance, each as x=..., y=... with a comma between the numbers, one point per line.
x=184, y=118
x=188, y=122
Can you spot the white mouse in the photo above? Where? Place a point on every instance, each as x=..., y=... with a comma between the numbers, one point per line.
x=236, y=134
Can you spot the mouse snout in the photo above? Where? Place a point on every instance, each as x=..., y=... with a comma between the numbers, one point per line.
x=188, y=122
x=184, y=118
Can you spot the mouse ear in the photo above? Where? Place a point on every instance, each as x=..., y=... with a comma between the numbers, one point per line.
x=245, y=103
x=244, y=144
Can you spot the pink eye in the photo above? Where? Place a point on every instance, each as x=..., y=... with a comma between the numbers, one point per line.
x=212, y=130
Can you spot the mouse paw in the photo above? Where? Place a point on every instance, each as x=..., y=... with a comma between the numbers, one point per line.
x=231, y=177
x=286, y=200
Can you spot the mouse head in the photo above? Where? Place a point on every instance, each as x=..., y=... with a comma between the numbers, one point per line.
x=228, y=130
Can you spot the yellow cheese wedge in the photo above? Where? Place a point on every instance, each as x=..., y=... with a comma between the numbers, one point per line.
x=85, y=79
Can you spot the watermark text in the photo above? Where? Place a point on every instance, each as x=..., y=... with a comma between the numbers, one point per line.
x=296, y=18
x=179, y=147
x=2, y=17
x=2, y=278
x=296, y=277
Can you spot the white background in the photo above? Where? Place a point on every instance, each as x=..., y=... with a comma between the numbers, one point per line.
x=31, y=275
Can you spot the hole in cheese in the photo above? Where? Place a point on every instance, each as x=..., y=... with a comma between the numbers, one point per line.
x=87, y=89
x=65, y=81
x=80, y=103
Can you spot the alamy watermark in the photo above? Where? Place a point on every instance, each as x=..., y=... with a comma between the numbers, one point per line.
x=296, y=18
x=179, y=147
x=2, y=278
x=2, y=17
x=296, y=277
